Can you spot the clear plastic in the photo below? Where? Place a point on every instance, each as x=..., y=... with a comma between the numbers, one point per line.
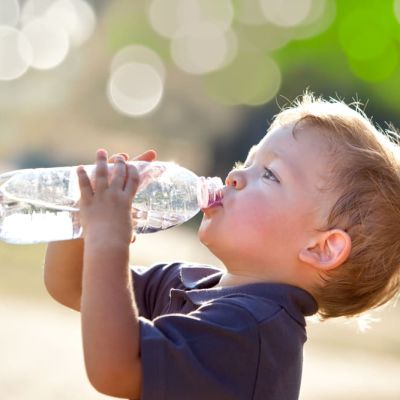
x=41, y=204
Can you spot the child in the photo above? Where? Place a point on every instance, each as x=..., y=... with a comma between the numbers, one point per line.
x=308, y=224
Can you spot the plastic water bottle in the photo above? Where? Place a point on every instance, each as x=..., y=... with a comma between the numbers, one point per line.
x=41, y=204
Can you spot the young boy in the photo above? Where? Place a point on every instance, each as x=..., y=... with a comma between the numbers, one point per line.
x=308, y=224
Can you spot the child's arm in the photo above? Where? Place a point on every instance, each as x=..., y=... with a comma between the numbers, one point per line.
x=63, y=272
x=64, y=262
x=110, y=325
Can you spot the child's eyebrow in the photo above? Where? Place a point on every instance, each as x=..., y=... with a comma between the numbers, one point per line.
x=288, y=166
x=253, y=151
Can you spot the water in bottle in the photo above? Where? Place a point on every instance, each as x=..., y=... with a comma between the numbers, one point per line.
x=42, y=204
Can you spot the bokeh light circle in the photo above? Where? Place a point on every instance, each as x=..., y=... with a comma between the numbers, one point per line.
x=204, y=49
x=9, y=12
x=173, y=17
x=135, y=89
x=15, y=53
x=76, y=17
x=321, y=16
x=138, y=54
x=232, y=47
x=49, y=43
x=286, y=13
x=219, y=12
x=164, y=18
x=33, y=9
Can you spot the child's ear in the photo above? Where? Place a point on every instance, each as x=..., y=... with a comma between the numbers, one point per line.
x=327, y=250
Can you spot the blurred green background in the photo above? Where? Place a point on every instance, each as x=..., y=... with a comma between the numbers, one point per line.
x=199, y=81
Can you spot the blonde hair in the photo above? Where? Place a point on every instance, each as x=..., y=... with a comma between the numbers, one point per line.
x=366, y=179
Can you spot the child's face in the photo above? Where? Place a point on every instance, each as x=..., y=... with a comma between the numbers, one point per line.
x=272, y=205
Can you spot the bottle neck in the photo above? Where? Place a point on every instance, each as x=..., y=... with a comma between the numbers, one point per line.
x=209, y=191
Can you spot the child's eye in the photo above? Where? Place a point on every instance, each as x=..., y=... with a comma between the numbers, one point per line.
x=270, y=175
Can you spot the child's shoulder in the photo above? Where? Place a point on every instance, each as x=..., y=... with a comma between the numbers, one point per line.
x=268, y=302
x=177, y=275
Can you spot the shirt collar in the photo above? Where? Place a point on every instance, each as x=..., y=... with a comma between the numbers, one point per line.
x=199, y=277
x=200, y=281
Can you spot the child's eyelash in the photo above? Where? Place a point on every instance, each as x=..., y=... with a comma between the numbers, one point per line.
x=268, y=172
x=271, y=175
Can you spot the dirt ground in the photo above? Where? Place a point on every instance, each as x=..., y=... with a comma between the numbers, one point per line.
x=41, y=353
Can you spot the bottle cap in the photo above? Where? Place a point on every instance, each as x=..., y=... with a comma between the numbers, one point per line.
x=209, y=191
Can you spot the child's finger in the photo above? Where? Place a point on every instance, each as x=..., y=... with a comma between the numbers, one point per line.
x=84, y=183
x=101, y=175
x=149, y=155
x=114, y=157
x=118, y=174
x=132, y=180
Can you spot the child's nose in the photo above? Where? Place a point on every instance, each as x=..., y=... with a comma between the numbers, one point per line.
x=236, y=179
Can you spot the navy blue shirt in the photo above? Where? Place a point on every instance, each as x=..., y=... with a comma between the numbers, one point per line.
x=201, y=342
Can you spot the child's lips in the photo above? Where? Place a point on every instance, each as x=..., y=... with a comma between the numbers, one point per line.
x=213, y=206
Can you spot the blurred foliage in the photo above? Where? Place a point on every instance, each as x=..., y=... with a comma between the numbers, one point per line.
x=359, y=53
x=355, y=58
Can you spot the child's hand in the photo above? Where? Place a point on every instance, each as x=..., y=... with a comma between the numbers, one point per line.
x=105, y=214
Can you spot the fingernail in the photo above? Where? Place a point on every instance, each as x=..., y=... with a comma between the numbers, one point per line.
x=102, y=153
x=124, y=155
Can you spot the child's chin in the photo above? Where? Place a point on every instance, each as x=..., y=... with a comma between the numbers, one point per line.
x=202, y=233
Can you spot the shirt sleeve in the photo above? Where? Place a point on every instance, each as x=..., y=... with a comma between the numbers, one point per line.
x=152, y=286
x=211, y=353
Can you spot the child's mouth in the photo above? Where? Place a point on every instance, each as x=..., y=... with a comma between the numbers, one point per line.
x=215, y=204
